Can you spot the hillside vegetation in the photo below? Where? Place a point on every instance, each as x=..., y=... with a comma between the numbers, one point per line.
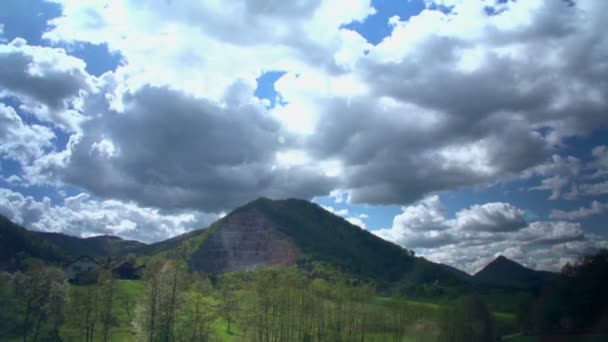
x=17, y=244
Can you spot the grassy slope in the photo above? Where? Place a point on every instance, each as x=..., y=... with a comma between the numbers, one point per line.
x=123, y=331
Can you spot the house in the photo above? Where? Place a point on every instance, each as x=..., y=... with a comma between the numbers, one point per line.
x=79, y=266
x=127, y=270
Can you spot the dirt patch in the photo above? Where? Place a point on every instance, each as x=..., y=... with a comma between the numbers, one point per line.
x=244, y=241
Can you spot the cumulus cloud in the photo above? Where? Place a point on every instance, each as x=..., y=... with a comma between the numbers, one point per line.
x=45, y=80
x=83, y=216
x=491, y=217
x=20, y=141
x=392, y=128
x=169, y=149
x=210, y=44
x=478, y=234
x=450, y=99
x=457, y=99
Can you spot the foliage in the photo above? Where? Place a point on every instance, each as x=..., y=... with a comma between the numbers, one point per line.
x=18, y=244
x=575, y=302
x=97, y=246
x=467, y=321
x=33, y=303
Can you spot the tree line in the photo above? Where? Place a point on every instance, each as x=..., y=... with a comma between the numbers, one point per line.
x=172, y=305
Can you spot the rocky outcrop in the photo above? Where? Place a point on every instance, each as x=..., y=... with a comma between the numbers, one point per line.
x=245, y=240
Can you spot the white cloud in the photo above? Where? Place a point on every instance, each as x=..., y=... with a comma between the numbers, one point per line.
x=480, y=233
x=84, y=216
x=357, y=221
x=20, y=141
x=209, y=44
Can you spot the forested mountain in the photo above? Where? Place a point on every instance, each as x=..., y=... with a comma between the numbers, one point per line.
x=274, y=233
x=506, y=273
x=97, y=246
x=18, y=243
x=287, y=232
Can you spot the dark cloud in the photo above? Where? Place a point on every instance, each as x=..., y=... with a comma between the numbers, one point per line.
x=171, y=150
x=45, y=79
x=491, y=217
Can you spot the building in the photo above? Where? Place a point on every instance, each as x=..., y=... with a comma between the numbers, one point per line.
x=79, y=266
x=127, y=270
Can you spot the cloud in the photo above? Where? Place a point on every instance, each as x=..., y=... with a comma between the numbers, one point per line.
x=45, y=80
x=596, y=208
x=357, y=221
x=570, y=178
x=19, y=141
x=169, y=149
x=211, y=44
x=448, y=100
x=478, y=234
x=458, y=99
x=84, y=216
x=491, y=217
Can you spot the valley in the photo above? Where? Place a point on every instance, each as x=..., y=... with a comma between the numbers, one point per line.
x=274, y=271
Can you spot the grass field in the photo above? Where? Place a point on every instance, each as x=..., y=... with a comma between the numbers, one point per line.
x=422, y=329
x=559, y=339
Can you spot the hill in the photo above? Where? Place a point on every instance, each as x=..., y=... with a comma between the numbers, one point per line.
x=17, y=244
x=506, y=273
x=267, y=233
x=97, y=246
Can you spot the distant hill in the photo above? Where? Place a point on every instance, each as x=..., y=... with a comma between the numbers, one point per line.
x=267, y=233
x=460, y=274
x=97, y=246
x=506, y=273
x=18, y=243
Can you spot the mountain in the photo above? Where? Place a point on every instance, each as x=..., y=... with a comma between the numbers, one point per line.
x=18, y=243
x=97, y=246
x=460, y=274
x=267, y=233
x=506, y=273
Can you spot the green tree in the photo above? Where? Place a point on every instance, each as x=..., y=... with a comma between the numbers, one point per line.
x=40, y=294
x=107, y=287
x=165, y=284
x=467, y=321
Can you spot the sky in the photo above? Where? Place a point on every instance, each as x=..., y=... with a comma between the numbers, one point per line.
x=461, y=129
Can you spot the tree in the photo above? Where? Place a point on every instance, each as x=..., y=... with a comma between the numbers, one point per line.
x=165, y=282
x=40, y=294
x=83, y=311
x=229, y=304
x=106, y=287
x=197, y=313
x=467, y=321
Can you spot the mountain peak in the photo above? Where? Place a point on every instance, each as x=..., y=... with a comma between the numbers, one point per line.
x=267, y=233
x=504, y=272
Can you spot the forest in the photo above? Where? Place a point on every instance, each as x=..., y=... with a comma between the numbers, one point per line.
x=289, y=304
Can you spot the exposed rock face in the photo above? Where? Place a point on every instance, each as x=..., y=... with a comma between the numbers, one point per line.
x=244, y=241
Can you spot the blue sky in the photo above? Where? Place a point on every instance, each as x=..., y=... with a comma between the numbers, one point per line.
x=443, y=126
